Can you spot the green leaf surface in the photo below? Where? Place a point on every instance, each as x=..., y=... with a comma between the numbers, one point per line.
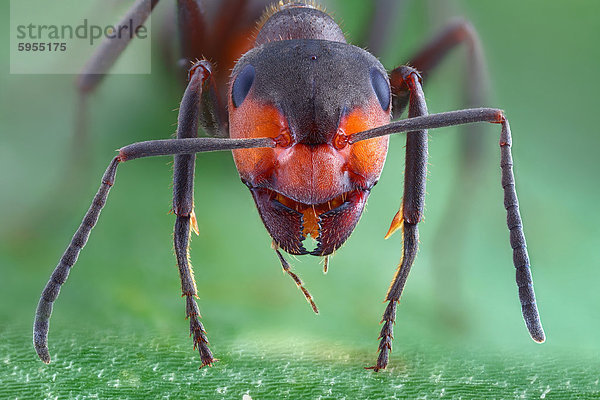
x=104, y=365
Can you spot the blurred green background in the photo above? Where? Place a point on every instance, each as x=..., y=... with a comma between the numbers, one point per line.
x=118, y=329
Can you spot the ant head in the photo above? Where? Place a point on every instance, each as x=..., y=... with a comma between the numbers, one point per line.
x=309, y=95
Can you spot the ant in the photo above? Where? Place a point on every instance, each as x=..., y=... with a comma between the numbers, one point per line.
x=308, y=118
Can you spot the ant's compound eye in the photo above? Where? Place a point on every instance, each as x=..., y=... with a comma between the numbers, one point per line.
x=242, y=84
x=381, y=87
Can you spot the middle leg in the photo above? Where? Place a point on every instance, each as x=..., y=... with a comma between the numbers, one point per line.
x=433, y=53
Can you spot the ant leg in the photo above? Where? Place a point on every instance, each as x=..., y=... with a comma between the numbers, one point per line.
x=231, y=17
x=197, y=39
x=89, y=78
x=192, y=28
x=101, y=62
x=475, y=93
x=188, y=125
x=476, y=83
x=411, y=211
x=410, y=237
x=457, y=32
x=183, y=205
x=386, y=14
x=213, y=112
x=111, y=48
x=232, y=20
x=68, y=259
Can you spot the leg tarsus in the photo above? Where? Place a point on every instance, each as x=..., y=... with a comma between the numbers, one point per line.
x=188, y=288
x=386, y=336
x=410, y=236
x=197, y=332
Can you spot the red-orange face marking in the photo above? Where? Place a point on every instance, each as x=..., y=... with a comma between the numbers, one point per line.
x=255, y=120
x=366, y=158
x=311, y=180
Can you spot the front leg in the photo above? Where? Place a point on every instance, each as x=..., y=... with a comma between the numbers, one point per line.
x=183, y=205
x=459, y=36
x=410, y=234
x=411, y=210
